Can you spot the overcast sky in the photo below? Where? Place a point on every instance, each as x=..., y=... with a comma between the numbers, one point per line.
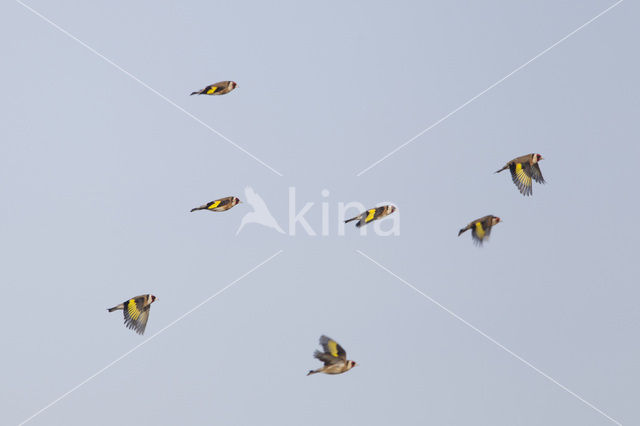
x=98, y=174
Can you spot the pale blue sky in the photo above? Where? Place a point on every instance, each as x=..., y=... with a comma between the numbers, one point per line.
x=98, y=175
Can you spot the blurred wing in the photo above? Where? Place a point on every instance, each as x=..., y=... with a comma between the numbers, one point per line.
x=480, y=231
x=332, y=348
x=536, y=174
x=326, y=358
x=521, y=175
x=136, y=315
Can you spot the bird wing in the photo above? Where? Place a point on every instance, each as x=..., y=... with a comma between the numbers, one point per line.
x=332, y=348
x=213, y=204
x=536, y=174
x=369, y=216
x=327, y=359
x=142, y=321
x=521, y=175
x=211, y=89
x=219, y=203
x=481, y=229
x=136, y=314
x=374, y=214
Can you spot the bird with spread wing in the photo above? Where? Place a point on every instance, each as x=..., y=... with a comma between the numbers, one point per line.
x=333, y=356
x=136, y=311
x=523, y=170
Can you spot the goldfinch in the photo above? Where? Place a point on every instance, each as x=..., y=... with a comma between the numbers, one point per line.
x=219, y=88
x=481, y=228
x=136, y=311
x=371, y=215
x=219, y=205
x=523, y=170
x=333, y=356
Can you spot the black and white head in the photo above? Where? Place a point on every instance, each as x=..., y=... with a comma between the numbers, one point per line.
x=536, y=158
x=495, y=220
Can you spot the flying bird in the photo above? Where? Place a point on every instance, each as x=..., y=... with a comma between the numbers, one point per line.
x=136, y=311
x=333, y=356
x=260, y=214
x=371, y=215
x=219, y=88
x=523, y=170
x=219, y=205
x=481, y=228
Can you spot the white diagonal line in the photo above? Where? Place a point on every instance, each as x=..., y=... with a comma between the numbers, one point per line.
x=491, y=339
x=139, y=345
x=109, y=61
x=489, y=88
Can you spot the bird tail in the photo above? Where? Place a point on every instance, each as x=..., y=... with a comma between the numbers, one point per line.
x=194, y=93
x=460, y=232
x=198, y=208
x=115, y=308
x=504, y=168
x=312, y=372
x=352, y=219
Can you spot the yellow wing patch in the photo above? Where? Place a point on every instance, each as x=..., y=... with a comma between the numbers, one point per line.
x=479, y=230
x=333, y=348
x=522, y=176
x=369, y=217
x=212, y=90
x=214, y=205
x=132, y=309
